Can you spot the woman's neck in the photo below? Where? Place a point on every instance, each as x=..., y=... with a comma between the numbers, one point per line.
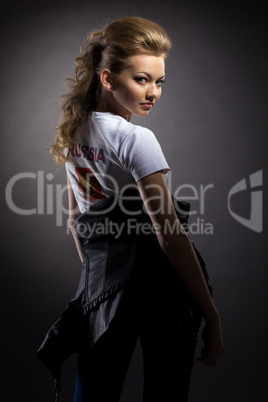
x=107, y=103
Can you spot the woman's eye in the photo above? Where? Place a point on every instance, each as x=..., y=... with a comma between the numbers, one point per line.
x=141, y=80
x=144, y=80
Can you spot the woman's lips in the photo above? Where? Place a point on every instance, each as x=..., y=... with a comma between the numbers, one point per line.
x=147, y=105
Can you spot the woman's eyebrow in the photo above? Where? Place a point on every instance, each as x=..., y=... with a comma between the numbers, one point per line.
x=149, y=75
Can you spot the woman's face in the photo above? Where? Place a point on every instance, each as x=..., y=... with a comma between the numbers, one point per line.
x=138, y=87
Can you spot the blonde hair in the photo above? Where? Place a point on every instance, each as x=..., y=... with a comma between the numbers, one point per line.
x=108, y=48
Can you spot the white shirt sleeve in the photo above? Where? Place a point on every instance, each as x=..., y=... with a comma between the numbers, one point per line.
x=142, y=155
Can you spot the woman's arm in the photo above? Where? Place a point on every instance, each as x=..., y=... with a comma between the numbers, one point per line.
x=180, y=252
x=74, y=212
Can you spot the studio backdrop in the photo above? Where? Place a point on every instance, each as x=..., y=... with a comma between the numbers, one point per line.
x=212, y=125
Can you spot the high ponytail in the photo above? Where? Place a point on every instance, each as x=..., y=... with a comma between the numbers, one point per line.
x=108, y=48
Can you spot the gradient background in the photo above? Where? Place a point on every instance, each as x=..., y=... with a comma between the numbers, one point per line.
x=211, y=123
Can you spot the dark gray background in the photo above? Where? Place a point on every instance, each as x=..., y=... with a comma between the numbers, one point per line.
x=211, y=123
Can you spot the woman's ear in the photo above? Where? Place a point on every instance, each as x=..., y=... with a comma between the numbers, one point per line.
x=105, y=77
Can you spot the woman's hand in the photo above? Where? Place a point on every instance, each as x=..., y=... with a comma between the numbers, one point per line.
x=213, y=343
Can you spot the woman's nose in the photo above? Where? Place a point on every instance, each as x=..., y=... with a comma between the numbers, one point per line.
x=152, y=92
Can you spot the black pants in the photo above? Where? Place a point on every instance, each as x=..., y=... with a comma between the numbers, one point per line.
x=154, y=311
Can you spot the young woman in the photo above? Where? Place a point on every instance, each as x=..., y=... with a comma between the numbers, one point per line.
x=139, y=283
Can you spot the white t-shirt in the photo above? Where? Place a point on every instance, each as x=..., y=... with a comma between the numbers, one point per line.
x=109, y=153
